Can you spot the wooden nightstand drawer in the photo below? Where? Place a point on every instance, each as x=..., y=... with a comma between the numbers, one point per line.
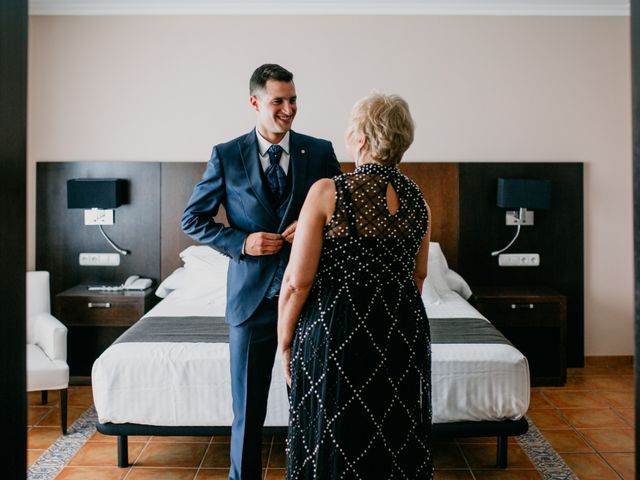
x=534, y=320
x=95, y=319
x=521, y=312
x=99, y=312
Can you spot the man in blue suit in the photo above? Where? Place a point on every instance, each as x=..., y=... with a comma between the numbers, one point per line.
x=262, y=179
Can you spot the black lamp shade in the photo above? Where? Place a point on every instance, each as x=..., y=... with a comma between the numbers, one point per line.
x=520, y=193
x=105, y=193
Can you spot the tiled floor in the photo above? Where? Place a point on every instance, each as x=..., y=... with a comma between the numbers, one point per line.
x=589, y=422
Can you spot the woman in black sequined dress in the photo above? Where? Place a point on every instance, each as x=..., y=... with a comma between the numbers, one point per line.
x=352, y=328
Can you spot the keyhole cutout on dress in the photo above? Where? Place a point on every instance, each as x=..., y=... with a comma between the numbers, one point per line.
x=393, y=204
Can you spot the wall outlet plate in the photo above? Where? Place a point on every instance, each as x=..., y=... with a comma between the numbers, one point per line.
x=519, y=259
x=97, y=216
x=99, y=259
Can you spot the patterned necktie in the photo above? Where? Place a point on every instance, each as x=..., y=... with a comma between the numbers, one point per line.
x=276, y=178
x=275, y=174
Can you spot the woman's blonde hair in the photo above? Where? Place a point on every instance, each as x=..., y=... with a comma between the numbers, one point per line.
x=386, y=122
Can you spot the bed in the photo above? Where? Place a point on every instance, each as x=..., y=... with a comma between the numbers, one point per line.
x=169, y=373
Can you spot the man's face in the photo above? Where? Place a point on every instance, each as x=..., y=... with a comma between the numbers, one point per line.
x=276, y=108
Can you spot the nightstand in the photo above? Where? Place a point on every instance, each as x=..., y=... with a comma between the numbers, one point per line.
x=535, y=322
x=95, y=319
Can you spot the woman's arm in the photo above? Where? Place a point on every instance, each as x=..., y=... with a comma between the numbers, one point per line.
x=303, y=263
x=422, y=257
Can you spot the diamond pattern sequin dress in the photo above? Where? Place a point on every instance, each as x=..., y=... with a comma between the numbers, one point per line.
x=360, y=404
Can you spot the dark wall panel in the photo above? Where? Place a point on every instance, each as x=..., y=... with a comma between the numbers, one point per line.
x=557, y=236
x=635, y=84
x=178, y=180
x=61, y=234
x=13, y=134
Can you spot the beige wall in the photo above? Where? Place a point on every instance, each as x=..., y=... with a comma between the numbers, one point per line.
x=480, y=88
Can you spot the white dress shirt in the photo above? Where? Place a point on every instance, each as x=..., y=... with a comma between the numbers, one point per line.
x=263, y=146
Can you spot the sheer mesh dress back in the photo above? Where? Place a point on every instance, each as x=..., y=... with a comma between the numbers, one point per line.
x=360, y=401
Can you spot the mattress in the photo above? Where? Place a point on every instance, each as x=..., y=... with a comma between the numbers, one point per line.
x=189, y=384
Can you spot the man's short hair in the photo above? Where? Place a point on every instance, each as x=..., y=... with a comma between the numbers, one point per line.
x=266, y=72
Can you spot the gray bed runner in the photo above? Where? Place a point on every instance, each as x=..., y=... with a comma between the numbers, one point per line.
x=177, y=329
x=215, y=330
x=464, y=330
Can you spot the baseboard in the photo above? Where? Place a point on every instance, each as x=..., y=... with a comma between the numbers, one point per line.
x=79, y=380
x=608, y=360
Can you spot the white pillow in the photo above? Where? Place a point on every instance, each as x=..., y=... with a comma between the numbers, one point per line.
x=172, y=282
x=430, y=295
x=441, y=276
x=437, y=268
x=458, y=284
x=202, y=282
x=204, y=272
x=204, y=256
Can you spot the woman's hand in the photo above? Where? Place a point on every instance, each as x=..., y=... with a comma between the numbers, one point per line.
x=286, y=364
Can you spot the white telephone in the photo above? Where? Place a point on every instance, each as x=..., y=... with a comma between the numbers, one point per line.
x=134, y=282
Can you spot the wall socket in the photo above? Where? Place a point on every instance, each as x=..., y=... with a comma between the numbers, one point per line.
x=99, y=259
x=519, y=260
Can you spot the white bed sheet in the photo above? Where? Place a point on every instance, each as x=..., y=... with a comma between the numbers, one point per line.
x=189, y=384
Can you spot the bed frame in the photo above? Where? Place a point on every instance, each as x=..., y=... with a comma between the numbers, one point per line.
x=440, y=184
x=502, y=430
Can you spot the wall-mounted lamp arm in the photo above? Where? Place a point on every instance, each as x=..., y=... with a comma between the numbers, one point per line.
x=522, y=215
x=116, y=247
x=498, y=252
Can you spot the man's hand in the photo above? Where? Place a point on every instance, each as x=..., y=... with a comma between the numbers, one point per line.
x=263, y=243
x=290, y=232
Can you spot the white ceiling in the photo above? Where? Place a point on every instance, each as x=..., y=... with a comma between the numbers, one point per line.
x=333, y=7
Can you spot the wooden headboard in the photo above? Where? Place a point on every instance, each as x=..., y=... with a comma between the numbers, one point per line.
x=438, y=182
x=465, y=221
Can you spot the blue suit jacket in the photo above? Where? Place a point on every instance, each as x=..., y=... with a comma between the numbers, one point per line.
x=233, y=179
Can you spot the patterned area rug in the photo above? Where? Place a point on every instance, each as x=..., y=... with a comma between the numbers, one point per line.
x=53, y=459
x=543, y=456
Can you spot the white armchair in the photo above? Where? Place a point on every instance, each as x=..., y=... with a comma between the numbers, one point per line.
x=47, y=367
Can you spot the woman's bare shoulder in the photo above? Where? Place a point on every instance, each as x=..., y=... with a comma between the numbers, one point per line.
x=321, y=196
x=323, y=187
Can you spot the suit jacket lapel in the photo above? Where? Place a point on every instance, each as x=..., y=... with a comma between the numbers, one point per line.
x=298, y=158
x=251, y=162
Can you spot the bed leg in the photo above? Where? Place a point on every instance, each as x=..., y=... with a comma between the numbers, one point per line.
x=123, y=451
x=501, y=459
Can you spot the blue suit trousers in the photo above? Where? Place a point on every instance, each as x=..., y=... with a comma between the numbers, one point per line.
x=252, y=346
